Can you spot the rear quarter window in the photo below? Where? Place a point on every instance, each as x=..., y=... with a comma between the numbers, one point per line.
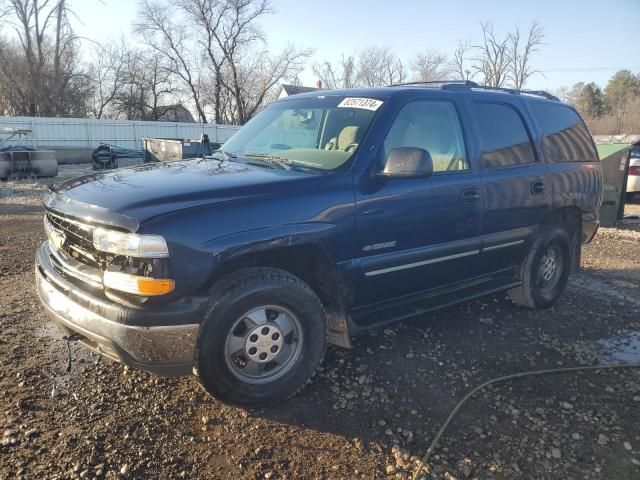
x=503, y=135
x=566, y=137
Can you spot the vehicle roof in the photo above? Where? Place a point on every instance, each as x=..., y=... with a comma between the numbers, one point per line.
x=422, y=90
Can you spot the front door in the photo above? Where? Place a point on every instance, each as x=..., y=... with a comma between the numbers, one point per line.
x=416, y=234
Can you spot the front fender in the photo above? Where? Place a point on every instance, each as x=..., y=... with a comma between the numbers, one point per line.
x=230, y=246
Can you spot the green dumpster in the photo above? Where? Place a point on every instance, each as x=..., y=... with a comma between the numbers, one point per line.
x=614, y=161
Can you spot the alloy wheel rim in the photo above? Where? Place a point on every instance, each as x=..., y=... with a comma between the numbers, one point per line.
x=263, y=344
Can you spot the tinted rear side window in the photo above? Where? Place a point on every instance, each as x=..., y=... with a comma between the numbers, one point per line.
x=503, y=137
x=566, y=138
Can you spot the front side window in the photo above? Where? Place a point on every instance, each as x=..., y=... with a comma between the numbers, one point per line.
x=566, y=138
x=319, y=133
x=503, y=137
x=433, y=126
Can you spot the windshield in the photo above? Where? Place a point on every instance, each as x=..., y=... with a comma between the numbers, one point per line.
x=314, y=133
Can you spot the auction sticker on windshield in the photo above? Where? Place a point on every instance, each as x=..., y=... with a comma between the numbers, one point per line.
x=366, y=103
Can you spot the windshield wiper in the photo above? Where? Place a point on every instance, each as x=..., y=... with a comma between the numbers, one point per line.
x=281, y=162
x=226, y=155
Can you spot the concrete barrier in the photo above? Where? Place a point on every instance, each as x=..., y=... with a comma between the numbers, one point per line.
x=72, y=155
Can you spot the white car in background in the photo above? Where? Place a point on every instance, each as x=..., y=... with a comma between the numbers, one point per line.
x=633, y=181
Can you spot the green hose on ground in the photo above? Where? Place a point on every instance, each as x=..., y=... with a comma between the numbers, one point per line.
x=453, y=413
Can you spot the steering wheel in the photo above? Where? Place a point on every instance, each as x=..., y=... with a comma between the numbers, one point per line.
x=280, y=146
x=351, y=146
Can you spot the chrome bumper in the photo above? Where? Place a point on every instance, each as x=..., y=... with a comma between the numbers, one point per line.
x=163, y=349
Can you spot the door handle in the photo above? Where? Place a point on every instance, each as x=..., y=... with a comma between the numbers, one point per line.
x=537, y=187
x=375, y=211
x=470, y=196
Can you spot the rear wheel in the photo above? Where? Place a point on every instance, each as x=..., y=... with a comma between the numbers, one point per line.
x=545, y=271
x=263, y=337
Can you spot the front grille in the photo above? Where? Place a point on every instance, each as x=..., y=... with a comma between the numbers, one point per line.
x=78, y=241
x=78, y=244
x=76, y=233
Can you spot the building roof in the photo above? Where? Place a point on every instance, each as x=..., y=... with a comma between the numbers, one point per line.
x=174, y=113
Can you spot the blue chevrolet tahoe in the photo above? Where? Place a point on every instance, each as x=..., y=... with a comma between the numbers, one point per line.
x=329, y=213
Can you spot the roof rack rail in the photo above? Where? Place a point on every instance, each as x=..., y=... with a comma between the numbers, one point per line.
x=468, y=84
x=540, y=93
x=537, y=93
x=465, y=83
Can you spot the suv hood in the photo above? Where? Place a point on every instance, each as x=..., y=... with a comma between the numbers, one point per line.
x=129, y=196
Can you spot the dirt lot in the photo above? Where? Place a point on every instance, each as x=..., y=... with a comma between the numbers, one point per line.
x=368, y=412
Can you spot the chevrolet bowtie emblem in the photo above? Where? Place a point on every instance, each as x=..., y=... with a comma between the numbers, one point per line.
x=57, y=239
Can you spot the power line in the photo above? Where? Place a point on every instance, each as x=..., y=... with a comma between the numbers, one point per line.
x=593, y=69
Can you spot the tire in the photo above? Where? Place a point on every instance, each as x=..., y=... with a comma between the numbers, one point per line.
x=545, y=270
x=233, y=339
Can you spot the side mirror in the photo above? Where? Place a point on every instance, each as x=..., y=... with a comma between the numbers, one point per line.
x=408, y=162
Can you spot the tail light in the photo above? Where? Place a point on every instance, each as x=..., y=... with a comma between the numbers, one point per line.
x=634, y=170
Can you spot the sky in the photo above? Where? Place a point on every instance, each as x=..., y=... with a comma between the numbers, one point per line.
x=585, y=40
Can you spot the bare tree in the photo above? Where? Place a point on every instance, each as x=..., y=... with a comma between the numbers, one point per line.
x=343, y=74
x=16, y=98
x=107, y=72
x=492, y=60
x=224, y=36
x=239, y=33
x=209, y=17
x=240, y=41
x=258, y=77
x=130, y=83
x=431, y=65
x=170, y=38
x=379, y=66
x=459, y=66
x=50, y=80
x=519, y=54
x=146, y=86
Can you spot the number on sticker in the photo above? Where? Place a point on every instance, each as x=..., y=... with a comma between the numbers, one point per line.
x=365, y=103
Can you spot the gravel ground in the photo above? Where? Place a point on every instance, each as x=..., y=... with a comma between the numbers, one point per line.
x=369, y=412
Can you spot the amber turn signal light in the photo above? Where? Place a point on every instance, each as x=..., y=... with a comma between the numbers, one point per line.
x=136, y=285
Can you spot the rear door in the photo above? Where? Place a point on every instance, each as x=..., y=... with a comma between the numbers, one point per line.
x=516, y=188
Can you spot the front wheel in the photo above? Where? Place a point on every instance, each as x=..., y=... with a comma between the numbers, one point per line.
x=545, y=270
x=262, y=339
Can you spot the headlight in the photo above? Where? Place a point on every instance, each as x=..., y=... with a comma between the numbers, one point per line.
x=130, y=244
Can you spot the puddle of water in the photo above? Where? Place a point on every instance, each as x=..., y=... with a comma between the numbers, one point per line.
x=53, y=334
x=48, y=330
x=623, y=348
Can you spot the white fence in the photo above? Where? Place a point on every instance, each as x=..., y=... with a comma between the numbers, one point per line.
x=621, y=138
x=89, y=132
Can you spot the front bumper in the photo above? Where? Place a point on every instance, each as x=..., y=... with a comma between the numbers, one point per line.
x=161, y=340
